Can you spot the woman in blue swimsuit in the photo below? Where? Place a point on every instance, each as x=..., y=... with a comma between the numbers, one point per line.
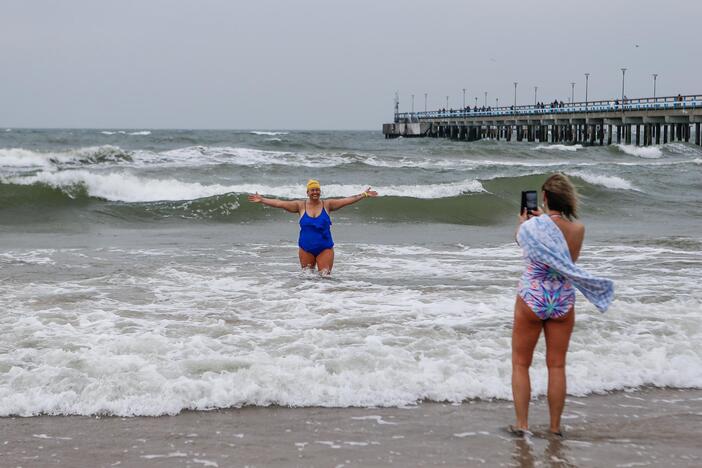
x=316, y=244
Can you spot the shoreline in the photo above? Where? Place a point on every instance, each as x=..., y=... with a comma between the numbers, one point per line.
x=651, y=426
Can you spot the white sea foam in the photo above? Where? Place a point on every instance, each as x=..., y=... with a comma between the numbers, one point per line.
x=200, y=156
x=648, y=152
x=399, y=324
x=23, y=158
x=570, y=148
x=123, y=132
x=126, y=187
x=261, y=132
x=612, y=182
x=241, y=156
x=123, y=186
x=684, y=149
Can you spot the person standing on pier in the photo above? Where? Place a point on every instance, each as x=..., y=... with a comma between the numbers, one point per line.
x=316, y=247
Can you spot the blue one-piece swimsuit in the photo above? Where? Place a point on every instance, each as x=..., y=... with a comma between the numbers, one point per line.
x=315, y=233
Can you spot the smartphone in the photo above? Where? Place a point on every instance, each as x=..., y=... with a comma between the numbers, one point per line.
x=529, y=201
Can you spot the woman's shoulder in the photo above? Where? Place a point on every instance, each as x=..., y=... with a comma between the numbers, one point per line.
x=576, y=229
x=578, y=226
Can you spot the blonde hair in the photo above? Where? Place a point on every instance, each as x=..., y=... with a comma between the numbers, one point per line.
x=561, y=195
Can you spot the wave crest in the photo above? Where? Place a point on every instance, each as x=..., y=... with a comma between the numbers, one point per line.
x=647, y=152
x=19, y=158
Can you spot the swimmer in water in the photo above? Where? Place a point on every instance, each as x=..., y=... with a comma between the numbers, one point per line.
x=316, y=244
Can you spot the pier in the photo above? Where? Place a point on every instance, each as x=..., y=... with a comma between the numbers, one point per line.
x=642, y=121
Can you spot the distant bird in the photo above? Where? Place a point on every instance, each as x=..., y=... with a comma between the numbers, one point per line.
x=636, y=45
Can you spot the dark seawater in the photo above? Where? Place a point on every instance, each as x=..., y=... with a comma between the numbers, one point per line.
x=137, y=279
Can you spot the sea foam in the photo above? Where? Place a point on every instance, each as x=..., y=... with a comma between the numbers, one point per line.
x=16, y=158
x=262, y=132
x=648, y=152
x=400, y=324
x=611, y=182
x=127, y=187
x=570, y=148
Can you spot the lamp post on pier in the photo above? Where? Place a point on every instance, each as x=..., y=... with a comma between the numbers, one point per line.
x=587, y=79
x=536, y=88
x=655, y=75
x=413, y=103
x=623, y=97
x=485, y=99
x=515, y=97
x=464, y=98
x=497, y=103
x=447, y=103
x=476, y=101
x=425, y=102
x=572, y=92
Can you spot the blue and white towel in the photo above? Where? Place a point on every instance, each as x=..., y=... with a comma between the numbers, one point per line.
x=543, y=242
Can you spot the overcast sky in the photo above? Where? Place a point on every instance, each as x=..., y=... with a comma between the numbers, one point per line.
x=325, y=64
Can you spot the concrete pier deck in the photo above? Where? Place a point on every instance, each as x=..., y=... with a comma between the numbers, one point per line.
x=643, y=121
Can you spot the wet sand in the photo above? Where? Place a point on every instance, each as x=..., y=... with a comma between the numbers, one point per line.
x=652, y=427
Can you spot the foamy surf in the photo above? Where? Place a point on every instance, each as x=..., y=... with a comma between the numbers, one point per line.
x=124, y=132
x=267, y=133
x=649, y=152
x=126, y=187
x=610, y=182
x=570, y=148
x=16, y=158
x=400, y=324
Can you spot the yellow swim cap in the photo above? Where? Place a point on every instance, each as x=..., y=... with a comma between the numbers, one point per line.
x=313, y=184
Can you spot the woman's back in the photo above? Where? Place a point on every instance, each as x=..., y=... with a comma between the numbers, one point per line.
x=574, y=233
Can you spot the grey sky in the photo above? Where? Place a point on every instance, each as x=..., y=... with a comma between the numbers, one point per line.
x=324, y=64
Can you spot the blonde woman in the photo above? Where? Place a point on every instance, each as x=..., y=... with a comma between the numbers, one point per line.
x=551, y=241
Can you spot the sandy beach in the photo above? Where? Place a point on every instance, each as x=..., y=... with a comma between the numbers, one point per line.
x=653, y=427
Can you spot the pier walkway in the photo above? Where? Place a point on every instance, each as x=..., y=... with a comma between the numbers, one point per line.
x=645, y=121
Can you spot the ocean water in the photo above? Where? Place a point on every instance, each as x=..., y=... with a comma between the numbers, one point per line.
x=136, y=279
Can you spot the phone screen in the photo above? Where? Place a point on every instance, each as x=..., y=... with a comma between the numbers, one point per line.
x=529, y=200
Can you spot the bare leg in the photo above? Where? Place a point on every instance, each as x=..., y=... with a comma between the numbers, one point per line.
x=557, y=333
x=325, y=261
x=525, y=334
x=307, y=260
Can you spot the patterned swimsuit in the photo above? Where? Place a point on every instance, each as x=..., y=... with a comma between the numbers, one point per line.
x=547, y=293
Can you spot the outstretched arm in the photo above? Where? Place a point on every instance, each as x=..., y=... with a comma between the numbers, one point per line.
x=292, y=206
x=338, y=203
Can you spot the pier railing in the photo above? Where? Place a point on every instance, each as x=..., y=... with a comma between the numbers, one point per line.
x=693, y=101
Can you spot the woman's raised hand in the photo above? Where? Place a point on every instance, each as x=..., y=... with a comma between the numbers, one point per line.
x=525, y=215
x=255, y=198
x=371, y=193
